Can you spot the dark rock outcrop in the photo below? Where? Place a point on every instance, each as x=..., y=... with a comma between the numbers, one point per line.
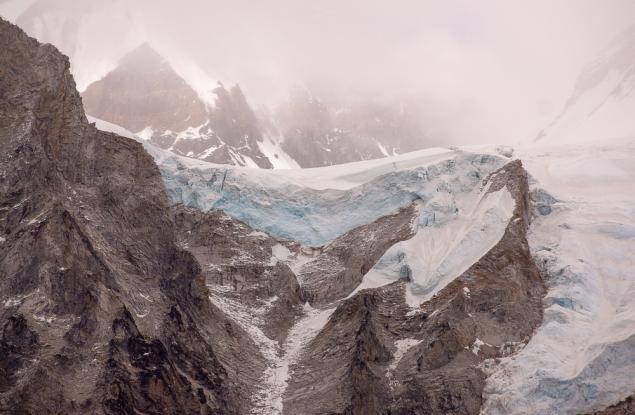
x=626, y=407
x=101, y=311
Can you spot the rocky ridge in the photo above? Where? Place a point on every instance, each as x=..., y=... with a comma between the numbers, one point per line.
x=145, y=95
x=101, y=312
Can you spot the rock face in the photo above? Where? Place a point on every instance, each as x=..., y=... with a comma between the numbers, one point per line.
x=145, y=95
x=101, y=311
x=234, y=255
x=340, y=266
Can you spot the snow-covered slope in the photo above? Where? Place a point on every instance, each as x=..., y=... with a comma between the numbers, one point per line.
x=603, y=100
x=450, y=238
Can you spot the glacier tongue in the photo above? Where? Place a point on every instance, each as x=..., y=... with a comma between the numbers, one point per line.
x=582, y=358
x=314, y=206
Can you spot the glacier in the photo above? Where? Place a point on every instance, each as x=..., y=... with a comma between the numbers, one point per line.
x=326, y=205
x=582, y=236
x=582, y=358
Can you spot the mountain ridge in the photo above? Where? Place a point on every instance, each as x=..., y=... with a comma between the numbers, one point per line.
x=302, y=132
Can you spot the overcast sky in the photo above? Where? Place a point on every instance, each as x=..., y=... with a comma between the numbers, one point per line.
x=487, y=70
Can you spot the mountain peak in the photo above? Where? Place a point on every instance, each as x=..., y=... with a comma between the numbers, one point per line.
x=144, y=91
x=143, y=56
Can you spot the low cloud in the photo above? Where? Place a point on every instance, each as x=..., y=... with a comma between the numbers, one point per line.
x=486, y=71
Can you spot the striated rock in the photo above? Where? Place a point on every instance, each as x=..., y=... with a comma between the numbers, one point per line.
x=340, y=266
x=101, y=311
x=240, y=266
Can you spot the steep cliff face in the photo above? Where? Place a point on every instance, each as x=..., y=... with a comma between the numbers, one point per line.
x=101, y=311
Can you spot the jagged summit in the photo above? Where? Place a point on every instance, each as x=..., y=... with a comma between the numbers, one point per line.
x=146, y=95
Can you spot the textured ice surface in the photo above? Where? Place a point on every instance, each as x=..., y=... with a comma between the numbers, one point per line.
x=314, y=206
x=582, y=358
x=454, y=231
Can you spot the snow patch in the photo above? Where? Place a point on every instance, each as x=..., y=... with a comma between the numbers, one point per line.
x=112, y=128
x=146, y=134
x=272, y=149
x=402, y=346
x=277, y=376
x=476, y=346
x=279, y=252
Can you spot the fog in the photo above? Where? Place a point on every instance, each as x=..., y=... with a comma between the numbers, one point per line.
x=480, y=71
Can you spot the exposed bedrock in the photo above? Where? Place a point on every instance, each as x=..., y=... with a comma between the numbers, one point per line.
x=377, y=356
x=101, y=311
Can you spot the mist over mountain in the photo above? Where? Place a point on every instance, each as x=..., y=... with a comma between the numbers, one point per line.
x=145, y=95
x=602, y=103
x=478, y=73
